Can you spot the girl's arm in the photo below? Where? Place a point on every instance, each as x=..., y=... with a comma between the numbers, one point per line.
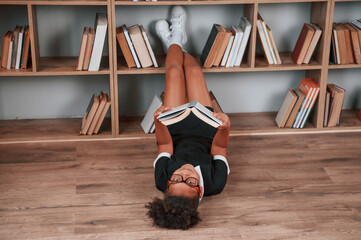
x=221, y=139
x=164, y=139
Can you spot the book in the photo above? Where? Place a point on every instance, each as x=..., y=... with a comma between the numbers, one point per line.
x=263, y=40
x=5, y=49
x=246, y=27
x=223, y=47
x=124, y=47
x=83, y=44
x=312, y=103
x=355, y=42
x=273, y=45
x=212, y=46
x=265, y=26
x=103, y=113
x=359, y=115
x=350, y=59
x=101, y=24
x=26, y=49
x=148, y=120
x=131, y=46
x=327, y=108
x=337, y=49
x=286, y=108
x=89, y=48
x=15, y=45
x=102, y=101
x=89, y=114
x=315, y=39
x=308, y=89
x=181, y=112
x=19, y=48
x=10, y=53
x=296, y=108
x=341, y=40
x=333, y=54
x=149, y=47
x=228, y=49
x=337, y=96
x=356, y=23
x=140, y=46
x=302, y=44
x=238, y=34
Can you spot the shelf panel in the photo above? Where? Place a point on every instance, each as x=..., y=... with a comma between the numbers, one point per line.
x=343, y=66
x=261, y=65
x=287, y=64
x=47, y=129
x=14, y=72
x=54, y=2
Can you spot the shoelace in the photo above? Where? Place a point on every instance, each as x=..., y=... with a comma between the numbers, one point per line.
x=165, y=34
x=176, y=24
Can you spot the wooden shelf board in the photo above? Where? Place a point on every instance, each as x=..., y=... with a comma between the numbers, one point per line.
x=47, y=129
x=66, y=66
x=14, y=72
x=287, y=64
x=53, y=2
x=343, y=66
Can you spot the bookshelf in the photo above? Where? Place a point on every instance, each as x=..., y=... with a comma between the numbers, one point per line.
x=114, y=69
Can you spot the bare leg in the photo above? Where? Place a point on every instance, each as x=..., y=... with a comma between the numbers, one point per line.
x=196, y=85
x=175, y=88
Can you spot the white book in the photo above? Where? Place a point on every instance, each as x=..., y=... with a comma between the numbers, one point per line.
x=18, y=52
x=269, y=42
x=241, y=35
x=100, y=27
x=237, y=35
x=148, y=120
x=309, y=108
x=131, y=47
x=246, y=26
x=150, y=50
x=262, y=36
x=338, y=57
x=303, y=109
x=226, y=53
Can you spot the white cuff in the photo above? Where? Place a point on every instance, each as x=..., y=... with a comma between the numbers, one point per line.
x=163, y=154
x=220, y=157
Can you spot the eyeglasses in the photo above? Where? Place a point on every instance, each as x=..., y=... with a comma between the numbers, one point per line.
x=190, y=181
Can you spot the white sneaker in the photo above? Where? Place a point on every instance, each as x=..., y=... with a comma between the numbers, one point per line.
x=163, y=32
x=178, y=19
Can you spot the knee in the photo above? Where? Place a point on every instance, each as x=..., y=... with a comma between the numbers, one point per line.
x=174, y=70
x=193, y=69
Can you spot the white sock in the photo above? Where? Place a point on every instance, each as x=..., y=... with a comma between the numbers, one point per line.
x=176, y=38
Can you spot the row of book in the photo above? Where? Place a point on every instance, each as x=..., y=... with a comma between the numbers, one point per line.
x=333, y=105
x=15, y=48
x=135, y=46
x=95, y=113
x=297, y=105
x=92, y=44
x=267, y=41
x=306, y=43
x=226, y=47
x=346, y=43
x=147, y=123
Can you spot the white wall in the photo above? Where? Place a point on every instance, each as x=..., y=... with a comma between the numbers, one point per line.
x=60, y=29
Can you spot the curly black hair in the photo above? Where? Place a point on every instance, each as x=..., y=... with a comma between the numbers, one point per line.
x=174, y=212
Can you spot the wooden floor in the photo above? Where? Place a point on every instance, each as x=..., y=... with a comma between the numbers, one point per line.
x=305, y=186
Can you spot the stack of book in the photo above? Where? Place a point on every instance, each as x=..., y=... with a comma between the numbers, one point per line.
x=147, y=123
x=226, y=47
x=135, y=46
x=333, y=105
x=95, y=113
x=92, y=44
x=267, y=42
x=297, y=105
x=346, y=43
x=306, y=43
x=15, y=48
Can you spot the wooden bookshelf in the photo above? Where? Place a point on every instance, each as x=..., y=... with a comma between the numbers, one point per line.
x=114, y=66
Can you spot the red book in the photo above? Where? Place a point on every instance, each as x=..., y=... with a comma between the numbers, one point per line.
x=359, y=115
x=302, y=44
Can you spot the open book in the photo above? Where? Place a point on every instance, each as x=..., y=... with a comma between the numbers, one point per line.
x=181, y=112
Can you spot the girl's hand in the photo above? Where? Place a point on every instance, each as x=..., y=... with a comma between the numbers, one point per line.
x=226, y=123
x=161, y=110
